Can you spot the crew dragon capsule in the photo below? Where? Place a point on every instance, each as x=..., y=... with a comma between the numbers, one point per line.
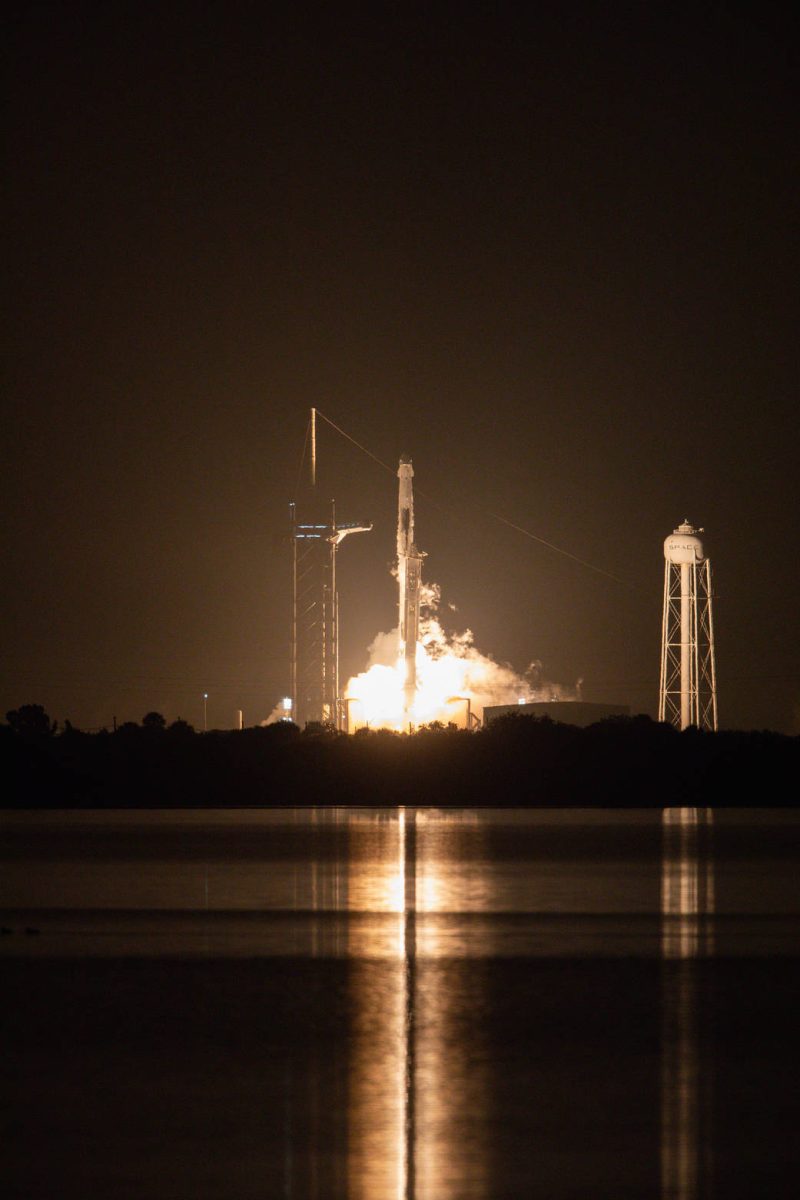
x=409, y=578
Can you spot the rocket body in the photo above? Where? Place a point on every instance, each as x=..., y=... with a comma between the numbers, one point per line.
x=409, y=578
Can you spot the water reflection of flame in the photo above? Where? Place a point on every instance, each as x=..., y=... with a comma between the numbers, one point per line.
x=687, y=907
x=378, y=1151
x=413, y=1082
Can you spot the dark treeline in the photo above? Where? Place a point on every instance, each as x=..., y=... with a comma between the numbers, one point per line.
x=517, y=760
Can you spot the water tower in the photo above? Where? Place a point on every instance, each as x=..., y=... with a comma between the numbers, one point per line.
x=688, y=693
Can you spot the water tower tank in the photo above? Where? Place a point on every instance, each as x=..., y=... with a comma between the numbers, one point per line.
x=683, y=545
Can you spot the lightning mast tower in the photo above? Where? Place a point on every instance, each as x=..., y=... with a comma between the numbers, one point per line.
x=315, y=603
x=688, y=691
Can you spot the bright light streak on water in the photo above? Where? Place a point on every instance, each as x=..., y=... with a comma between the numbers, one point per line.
x=404, y=1005
x=687, y=907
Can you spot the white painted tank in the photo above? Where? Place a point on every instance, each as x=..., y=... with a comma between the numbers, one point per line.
x=683, y=545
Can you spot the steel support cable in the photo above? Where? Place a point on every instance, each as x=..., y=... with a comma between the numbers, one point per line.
x=495, y=516
x=567, y=554
x=364, y=449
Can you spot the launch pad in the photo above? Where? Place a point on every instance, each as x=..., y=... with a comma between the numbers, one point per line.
x=316, y=536
x=315, y=689
x=425, y=676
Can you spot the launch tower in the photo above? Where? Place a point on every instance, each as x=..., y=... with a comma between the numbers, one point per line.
x=688, y=692
x=316, y=538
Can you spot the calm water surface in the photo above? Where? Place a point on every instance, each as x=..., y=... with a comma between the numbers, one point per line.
x=410, y=1004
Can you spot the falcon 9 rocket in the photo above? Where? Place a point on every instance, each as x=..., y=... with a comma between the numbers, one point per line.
x=409, y=578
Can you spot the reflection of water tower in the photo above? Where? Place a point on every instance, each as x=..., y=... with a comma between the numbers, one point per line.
x=688, y=693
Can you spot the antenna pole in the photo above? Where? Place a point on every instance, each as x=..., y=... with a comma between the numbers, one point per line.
x=313, y=447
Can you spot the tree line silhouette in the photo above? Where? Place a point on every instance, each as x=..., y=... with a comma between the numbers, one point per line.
x=515, y=760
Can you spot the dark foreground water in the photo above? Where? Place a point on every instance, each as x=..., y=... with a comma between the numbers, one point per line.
x=402, y=1004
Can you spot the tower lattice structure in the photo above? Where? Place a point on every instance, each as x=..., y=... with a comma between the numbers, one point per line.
x=688, y=689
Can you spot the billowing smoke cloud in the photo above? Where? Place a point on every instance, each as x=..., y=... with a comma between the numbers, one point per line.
x=455, y=679
x=278, y=713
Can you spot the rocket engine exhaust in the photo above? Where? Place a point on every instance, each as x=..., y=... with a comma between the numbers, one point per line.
x=425, y=674
x=409, y=578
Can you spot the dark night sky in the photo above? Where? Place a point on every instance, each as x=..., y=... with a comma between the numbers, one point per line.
x=553, y=256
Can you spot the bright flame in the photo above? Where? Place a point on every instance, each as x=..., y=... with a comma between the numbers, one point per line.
x=454, y=679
